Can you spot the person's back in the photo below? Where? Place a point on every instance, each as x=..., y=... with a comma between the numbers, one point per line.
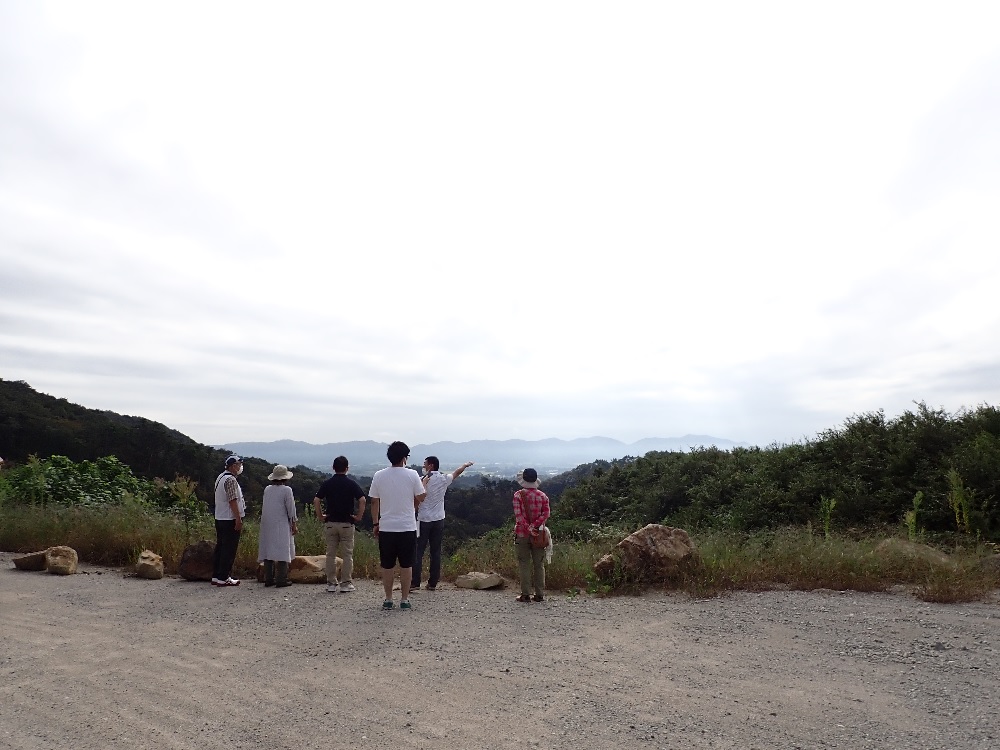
x=395, y=494
x=340, y=496
x=339, y=503
x=394, y=486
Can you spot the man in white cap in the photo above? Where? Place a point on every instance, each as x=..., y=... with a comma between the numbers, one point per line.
x=229, y=511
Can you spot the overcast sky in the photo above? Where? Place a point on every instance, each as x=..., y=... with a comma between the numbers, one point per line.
x=450, y=221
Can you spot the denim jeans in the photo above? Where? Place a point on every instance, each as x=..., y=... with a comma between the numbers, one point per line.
x=431, y=532
x=339, y=535
x=530, y=566
x=227, y=541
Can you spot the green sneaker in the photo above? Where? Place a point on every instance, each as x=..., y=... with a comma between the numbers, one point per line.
x=387, y=604
x=405, y=604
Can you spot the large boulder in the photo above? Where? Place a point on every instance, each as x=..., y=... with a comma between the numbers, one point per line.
x=32, y=561
x=476, y=580
x=149, y=565
x=307, y=569
x=197, y=561
x=62, y=561
x=652, y=554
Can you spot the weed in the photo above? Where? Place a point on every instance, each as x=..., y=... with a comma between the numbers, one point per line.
x=913, y=533
x=960, y=500
x=826, y=506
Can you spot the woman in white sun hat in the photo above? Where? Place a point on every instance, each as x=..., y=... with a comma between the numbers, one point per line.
x=278, y=527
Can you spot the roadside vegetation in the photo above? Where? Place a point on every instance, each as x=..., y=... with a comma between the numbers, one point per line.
x=874, y=505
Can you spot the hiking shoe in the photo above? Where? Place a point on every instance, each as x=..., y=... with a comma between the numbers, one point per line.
x=268, y=583
x=432, y=588
x=387, y=604
x=538, y=598
x=346, y=588
x=333, y=588
x=405, y=604
x=282, y=584
x=523, y=598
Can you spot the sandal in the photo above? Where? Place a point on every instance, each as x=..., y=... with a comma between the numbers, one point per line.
x=523, y=598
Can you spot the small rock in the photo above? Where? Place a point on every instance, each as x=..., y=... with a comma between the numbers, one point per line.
x=61, y=561
x=475, y=580
x=149, y=566
x=32, y=561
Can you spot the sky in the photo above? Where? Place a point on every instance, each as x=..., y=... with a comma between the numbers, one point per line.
x=454, y=221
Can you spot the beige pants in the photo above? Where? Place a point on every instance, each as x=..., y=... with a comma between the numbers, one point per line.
x=339, y=535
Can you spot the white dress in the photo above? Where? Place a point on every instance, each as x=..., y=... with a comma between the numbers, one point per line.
x=276, y=515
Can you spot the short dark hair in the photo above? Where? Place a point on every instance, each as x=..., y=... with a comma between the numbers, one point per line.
x=340, y=464
x=433, y=461
x=398, y=451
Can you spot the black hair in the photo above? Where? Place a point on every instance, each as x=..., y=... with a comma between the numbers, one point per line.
x=397, y=451
x=340, y=464
x=433, y=461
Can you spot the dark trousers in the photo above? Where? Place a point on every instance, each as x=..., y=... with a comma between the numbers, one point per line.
x=431, y=533
x=275, y=569
x=227, y=541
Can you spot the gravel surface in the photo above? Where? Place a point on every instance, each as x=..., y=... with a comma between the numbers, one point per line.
x=101, y=660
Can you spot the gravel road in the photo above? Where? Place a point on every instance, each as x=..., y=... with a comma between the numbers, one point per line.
x=99, y=660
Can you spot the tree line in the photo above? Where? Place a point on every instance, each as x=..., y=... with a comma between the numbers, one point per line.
x=927, y=467
x=944, y=468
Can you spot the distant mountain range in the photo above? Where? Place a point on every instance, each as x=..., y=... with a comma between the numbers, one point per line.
x=502, y=457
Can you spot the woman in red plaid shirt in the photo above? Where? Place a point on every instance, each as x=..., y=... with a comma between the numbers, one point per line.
x=531, y=510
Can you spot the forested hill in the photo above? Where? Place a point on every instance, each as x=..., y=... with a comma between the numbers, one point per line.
x=943, y=468
x=33, y=423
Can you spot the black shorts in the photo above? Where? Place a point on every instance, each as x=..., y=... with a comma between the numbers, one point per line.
x=396, y=545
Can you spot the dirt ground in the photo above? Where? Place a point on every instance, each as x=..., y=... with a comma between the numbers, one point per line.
x=100, y=660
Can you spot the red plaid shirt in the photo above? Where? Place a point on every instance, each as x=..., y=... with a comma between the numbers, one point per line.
x=531, y=508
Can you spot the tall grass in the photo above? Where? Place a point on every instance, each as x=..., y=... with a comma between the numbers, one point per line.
x=105, y=535
x=790, y=558
x=793, y=558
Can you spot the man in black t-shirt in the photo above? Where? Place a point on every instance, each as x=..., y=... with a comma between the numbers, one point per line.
x=340, y=502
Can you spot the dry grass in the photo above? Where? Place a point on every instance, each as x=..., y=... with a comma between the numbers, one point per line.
x=791, y=558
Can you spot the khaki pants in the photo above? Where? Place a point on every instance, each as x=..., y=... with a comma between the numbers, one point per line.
x=339, y=535
x=530, y=566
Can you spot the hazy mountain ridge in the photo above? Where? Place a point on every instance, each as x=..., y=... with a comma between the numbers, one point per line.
x=489, y=455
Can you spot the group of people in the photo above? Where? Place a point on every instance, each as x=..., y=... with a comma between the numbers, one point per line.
x=407, y=519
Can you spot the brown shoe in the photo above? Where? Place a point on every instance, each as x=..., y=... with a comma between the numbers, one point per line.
x=523, y=598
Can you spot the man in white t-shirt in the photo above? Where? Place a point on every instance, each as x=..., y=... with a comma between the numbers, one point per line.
x=395, y=494
x=430, y=516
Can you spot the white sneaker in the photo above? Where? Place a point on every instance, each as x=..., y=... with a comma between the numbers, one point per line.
x=218, y=582
x=333, y=588
x=346, y=588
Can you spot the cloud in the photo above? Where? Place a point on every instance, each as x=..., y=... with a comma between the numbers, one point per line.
x=333, y=223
